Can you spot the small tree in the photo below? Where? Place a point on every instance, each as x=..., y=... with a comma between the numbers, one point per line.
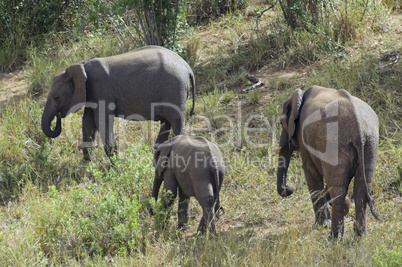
x=154, y=21
x=340, y=18
x=158, y=20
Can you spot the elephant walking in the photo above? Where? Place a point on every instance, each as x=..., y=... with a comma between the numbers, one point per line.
x=194, y=167
x=150, y=83
x=337, y=136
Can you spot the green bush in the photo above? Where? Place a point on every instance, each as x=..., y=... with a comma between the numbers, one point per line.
x=87, y=221
x=23, y=23
x=96, y=218
x=131, y=171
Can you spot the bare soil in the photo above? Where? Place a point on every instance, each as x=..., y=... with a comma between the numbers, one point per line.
x=13, y=87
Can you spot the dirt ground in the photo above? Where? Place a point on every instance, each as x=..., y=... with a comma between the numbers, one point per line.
x=13, y=87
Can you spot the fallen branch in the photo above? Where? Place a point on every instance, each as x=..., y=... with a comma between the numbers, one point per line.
x=394, y=56
x=255, y=80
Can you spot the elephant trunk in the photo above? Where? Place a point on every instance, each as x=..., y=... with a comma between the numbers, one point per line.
x=283, y=164
x=155, y=191
x=47, y=118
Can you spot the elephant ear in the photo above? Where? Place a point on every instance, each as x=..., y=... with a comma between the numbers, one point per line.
x=293, y=106
x=78, y=75
x=161, y=158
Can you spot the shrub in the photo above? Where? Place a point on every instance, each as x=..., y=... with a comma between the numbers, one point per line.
x=96, y=218
x=86, y=221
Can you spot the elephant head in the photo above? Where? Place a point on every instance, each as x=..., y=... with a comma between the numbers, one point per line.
x=67, y=94
x=288, y=141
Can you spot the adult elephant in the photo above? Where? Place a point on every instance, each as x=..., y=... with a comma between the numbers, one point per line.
x=337, y=137
x=150, y=83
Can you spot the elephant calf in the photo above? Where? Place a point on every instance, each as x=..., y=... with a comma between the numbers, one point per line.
x=337, y=135
x=195, y=167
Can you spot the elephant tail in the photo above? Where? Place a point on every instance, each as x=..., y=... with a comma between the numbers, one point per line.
x=192, y=79
x=360, y=154
x=218, y=178
x=362, y=169
x=217, y=188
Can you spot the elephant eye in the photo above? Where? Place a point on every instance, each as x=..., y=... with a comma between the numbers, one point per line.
x=56, y=97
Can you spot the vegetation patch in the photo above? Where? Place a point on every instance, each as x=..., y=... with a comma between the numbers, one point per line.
x=58, y=210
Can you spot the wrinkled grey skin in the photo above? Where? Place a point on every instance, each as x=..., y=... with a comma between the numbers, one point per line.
x=305, y=121
x=125, y=85
x=194, y=167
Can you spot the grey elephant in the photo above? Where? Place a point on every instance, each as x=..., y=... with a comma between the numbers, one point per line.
x=336, y=135
x=150, y=83
x=193, y=166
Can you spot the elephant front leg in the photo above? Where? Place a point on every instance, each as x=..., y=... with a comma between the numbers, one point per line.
x=88, y=132
x=183, y=209
x=169, y=194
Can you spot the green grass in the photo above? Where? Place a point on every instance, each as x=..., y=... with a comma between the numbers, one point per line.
x=58, y=210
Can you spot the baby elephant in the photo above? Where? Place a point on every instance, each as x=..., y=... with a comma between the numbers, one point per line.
x=194, y=166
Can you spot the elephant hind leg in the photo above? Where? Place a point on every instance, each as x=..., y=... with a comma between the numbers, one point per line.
x=359, y=190
x=207, y=215
x=164, y=132
x=338, y=196
x=317, y=190
x=178, y=125
x=361, y=200
x=337, y=184
x=183, y=209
